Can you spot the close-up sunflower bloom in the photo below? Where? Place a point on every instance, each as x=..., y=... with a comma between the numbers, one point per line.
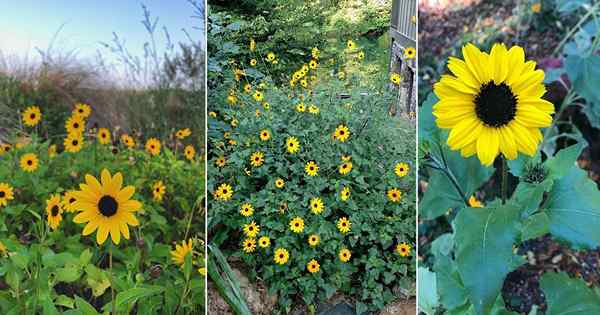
x=32, y=116
x=394, y=195
x=316, y=205
x=68, y=201
x=220, y=161
x=75, y=125
x=54, y=210
x=395, y=78
x=313, y=240
x=189, y=152
x=401, y=169
x=183, y=133
x=248, y=245
x=6, y=194
x=82, y=110
x=258, y=96
x=410, y=53
x=251, y=229
x=279, y=183
x=345, y=168
x=224, y=192
x=345, y=193
x=492, y=103
x=342, y=133
x=128, y=141
x=29, y=162
x=103, y=136
x=265, y=135
x=106, y=206
x=264, y=241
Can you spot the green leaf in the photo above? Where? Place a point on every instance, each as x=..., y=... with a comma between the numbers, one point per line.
x=529, y=196
x=187, y=266
x=560, y=164
x=567, y=296
x=65, y=301
x=428, y=297
x=68, y=274
x=451, y=290
x=484, y=239
x=535, y=226
x=85, y=307
x=134, y=294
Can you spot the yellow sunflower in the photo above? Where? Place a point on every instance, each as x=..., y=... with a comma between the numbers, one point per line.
x=68, y=201
x=103, y=136
x=127, y=140
x=158, y=190
x=297, y=225
x=32, y=116
x=313, y=240
x=29, y=162
x=54, y=210
x=345, y=168
x=246, y=210
x=248, y=88
x=257, y=159
x=253, y=62
x=493, y=104
x=153, y=146
x=4, y=148
x=292, y=145
x=249, y=245
x=252, y=44
x=312, y=266
x=258, y=96
x=183, y=133
x=3, y=249
x=224, y=192
x=220, y=161
x=342, y=133
x=282, y=207
x=106, y=207
x=189, y=152
x=52, y=151
x=281, y=256
x=313, y=109
x=345, y=255
x=266, y=105
x=315, y=52
x=271, y=56
x=316, y=205
x=6, y=194
x=82, y=110
x=300, y=108
x=251, y=229
x=279, y=183
x=313, y=64
x=395, y=78
x=73, y=143
x=178, y=255
x=403, y=249
x=231, y=100
x=350, y=44
x=410, y=53
x=212, y=114
x=474, y=203
x=264, y=241
x=401, y=169
x=311, y=168
x=344, y=225
x=265, y=135
x=394, y=195
x=361, y=55
x=345, y=193
x=75, y=125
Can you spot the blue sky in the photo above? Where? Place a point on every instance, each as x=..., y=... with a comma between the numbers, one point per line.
x=26, y=24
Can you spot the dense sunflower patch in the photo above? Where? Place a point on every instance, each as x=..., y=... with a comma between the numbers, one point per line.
x=314, y=193
x=93, y=216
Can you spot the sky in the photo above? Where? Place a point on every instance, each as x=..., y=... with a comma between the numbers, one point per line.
x=26, y=24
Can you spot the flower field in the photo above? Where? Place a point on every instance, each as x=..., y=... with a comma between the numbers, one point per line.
x=97, y=220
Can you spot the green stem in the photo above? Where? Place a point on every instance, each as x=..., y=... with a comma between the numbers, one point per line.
x=590, y=12
x=444, y=169
x=504, y=178
x=110, y=274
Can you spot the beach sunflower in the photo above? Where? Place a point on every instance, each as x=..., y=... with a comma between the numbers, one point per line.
x=158, y=190
x=265, y=135
x=350, y=44
x=301, y=108
x=264, y=241
x=202, y=271
x=474, y=203
x=246, y=210
x=410, y=53
x=304, y=83
x=253, y=62
x=73, y=143
x=311, y=168
x=212, y=114
x=316, y=205
x=52, y=151
x=282, y=207
x=103, y=136
x=6, y=194
x=248, y=245
x=32, y=116
x=128, y=141
x=344, y=225
x=106, y=207
x=82, y=110
x=345, y=168
x=345, y=255
x=292, y=144
x=29, y=162
x=251, y=229
x=493, y=103
x=401, y=169
x=183, y=133
x=279, y=183
x=395, y=78
x=257, y=159
x=252, y=45
x=281, y=256
x=153, y=146
x=224, y=192
x=178, y=255
x=342, y=133
x=220, y=161
x=189, y=152
x=403, y=249
x=271, y=56
x=361, y=55
x=313, y=240
x=313, y=109
x=266, y=105
x=313, y=64
x=345, y=193
x=4, y=148
x=231, y=100
x=315, y=52
x=258, y=96
x=312, y=266
x=54, y=210
x=68, y=201
x=297, y=225
x=75, y=125
x=247, y=88
x=394, y=195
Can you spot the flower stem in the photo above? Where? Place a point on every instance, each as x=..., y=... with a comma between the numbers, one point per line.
x=504, y=178
x=112, y=288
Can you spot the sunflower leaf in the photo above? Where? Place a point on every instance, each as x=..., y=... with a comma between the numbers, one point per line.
x=568, y=296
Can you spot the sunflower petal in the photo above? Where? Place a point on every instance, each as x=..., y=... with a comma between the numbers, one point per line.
x=488, y=146
x=102, y=234
x=115, y=232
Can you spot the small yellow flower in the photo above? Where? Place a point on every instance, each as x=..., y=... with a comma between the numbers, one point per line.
x=300, y=108
x=401, y=169
x=54, y=210
x=311, y=168
x=257, y=159
x=224, y=192
x=183, y=133
x=73, y=143
x=313, y=240
x=316, y=205
x=178, y=255
x=212, y=114
x=344, y=225
x=281, y=256
x=345, y=255
x=158, y=190
x=103, y=136
x=251, y=229
x=396, y=78
x=29, y=162
x=271, y=56
x=249, y=245
x=279, y=183
x=258, y=96
x=345, y=193
x=410, y=53
x=350, y=44
x=82, y=110
x=394, y=195
x=128, y=141
x=474, y=203
x=297, y=225
x=189, y=152
x=292, y=144
x=153, y=146
x=265, y=135
x=403, y=249
x=536, y=7
x=202, y=271
x=248, y=88
x=253, y=62
x=264, y=241
x=312, y=266
x=4, y=148
x=361, y=55
x=266, y=105
x=252, y=44
x=32, y=116
x=345, y=168
x=68, y=201
x=315, y=53
x=313, y=64
x=231, y=100
x=75, y=125
x=6, y=194
x=246, y=210
x=220, y=161
x=313, y=109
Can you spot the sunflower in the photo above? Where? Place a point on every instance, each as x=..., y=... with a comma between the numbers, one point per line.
x=292, y=144
x=212, y=114
x=231, y=100
x=257, y=159
x=361, y=55
x=311, y=168
x=312, y=266
x=252, y=44
x=264, y=241
x=394, y=195
x=29, y=162
x=345, y=193
x=82, y=110
x=253, y=62
x=346, y=158
x=401, y=169
x=128, y=141
x=344, y=225
x=75, y=125
x=249, y=245
x=301, y=108
x=313, y=109
x=178, y=255
x=297, y=225
x=304, y=83
x=403, y=249
x=183, y=133
x=246, y=210
x=32, y=116
x=52, y=151
x=73, y=143
x=224, y=192
x=153, y=146
x=103, y=136
x=220, y=161
x=342, y=133
x=258, y=96
x=282, y=207
x=313, y=64
x=271, y=56
x=316, y=205
x=493, y=104
x=158, y=190
x=350, y=44
x=536, y=7
x=106, y=207
x=248, y=88
x=395, y=78
x=281, y=256
x=313, y=240
x=251, y=229
x=202, y=271
x=345, y=168
x=6, y=194
x=68, y=201
x=189, y=152
x=474, y=203
x=4, y=148
x=266, y=105
x=265, y=135
x=279, y=183
x=345, y=255
x=54, y=210
x=410, y=53
x=315, y=52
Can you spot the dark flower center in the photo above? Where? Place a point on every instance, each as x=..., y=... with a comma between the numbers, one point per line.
x=341, y=132
x=224, y=191
x=76, y=125
x=344, y=166
x=2, y=194
x=71, y=200
x=344, y=224
x=296, y=224
x=280, y=255
x=402, y=169
x=108, y=206
x=32, y=116
x=312, y=168
x=54, y=211
x=250, y=229
x=29, y=162
x=495, y=105
x=75, y=142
